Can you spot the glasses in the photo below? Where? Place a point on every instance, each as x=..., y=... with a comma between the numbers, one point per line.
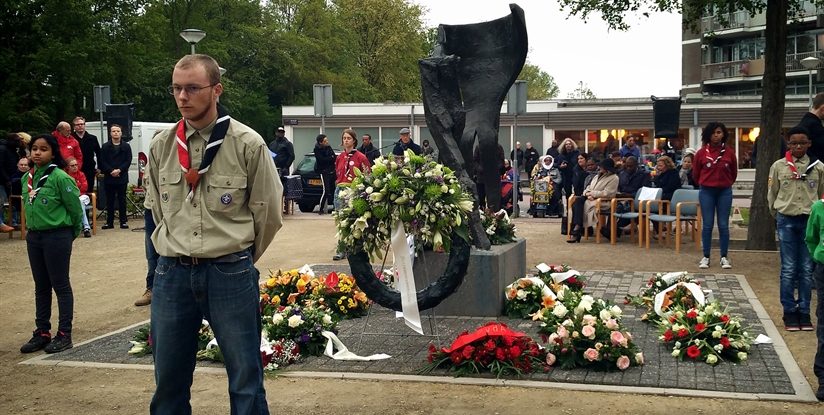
x=190, y=89
x=798, y=143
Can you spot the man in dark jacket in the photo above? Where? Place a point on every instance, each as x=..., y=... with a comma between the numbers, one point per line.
x=284, y=152
x=519, y=154
x=811, y=121
x=90, y=148
x=405, y=143
x=531, y=156
x=368, y=149
x=631, y=178
x=325, y=166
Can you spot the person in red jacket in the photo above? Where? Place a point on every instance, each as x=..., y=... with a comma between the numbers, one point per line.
x=73, y=169
x=714, y=170
x=69, y=147
x=345, y=165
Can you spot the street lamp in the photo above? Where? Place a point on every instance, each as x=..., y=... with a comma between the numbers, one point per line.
x=811, y=62
x=192, y=36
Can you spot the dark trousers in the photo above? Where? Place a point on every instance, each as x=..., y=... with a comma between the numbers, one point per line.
x=481, y=195
x=151, y=253
x=116, y=190
x=328, y=195
x=818, y=366
x=578, y=212
x=49, y=255
x=90, y=177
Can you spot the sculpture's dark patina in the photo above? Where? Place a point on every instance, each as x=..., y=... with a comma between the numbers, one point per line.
x=464, y=84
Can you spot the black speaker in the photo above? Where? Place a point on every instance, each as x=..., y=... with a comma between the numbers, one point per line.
x=666, y=116
x=122, y=115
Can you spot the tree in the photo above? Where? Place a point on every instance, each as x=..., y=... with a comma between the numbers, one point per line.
x=581, y=92
x=540, y=85
x=761, y=231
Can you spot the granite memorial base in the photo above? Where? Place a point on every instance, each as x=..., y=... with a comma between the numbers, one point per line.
x=482, y=292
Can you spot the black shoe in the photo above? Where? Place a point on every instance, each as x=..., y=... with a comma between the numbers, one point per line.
x=87, y=233
x=60, y=342
x=576, y=236
x=791, y=321
x=124, y=226
x=107, y=226
x=39, y=340
x=338, y=256
x=804, y=322
x=820, y=393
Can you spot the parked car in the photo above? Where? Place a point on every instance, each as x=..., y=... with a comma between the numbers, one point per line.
x=310, y=180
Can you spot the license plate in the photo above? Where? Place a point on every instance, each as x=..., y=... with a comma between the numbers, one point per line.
x=315, y=182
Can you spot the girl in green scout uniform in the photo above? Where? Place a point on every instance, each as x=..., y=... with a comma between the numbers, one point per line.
x=53, y=218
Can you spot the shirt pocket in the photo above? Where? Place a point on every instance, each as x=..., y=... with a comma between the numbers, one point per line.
x=172, y=191
x=225, y=193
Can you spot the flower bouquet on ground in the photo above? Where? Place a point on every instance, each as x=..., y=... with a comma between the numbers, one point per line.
x=142, y=342
x=581, y=331
x=494, y=348
x=526, y=296
x=657, y=284
x=705, y=333
x=287, y=288
x=424, y=196
x=561, y=274
x=303, y=325
x=341, y=294
x=499, y=228
x=279, y=353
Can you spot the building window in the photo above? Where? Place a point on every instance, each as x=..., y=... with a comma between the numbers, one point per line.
x=746, y=141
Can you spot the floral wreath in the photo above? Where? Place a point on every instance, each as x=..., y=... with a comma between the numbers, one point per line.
x=427, y=199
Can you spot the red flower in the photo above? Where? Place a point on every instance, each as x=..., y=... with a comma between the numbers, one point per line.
x=432, y=348
x=672, y=319
x=700, y=327
x=455, y=357
x=509, y=340
x=544, y=338
x=467, y=352
x=489, y=345
x=500, y=354
x=515, y=352
x=693, y=352
x=692, y=313
x=725, y=341
x=668, y=335
x=725, y=318
x=683, y=333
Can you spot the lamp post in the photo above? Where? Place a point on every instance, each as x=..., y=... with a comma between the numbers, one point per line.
x=810, y=62
x=192, y=36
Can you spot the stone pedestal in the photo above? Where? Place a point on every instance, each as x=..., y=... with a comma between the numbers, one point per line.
x=482, y=292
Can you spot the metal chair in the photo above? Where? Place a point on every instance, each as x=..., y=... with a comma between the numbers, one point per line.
x=683, y=208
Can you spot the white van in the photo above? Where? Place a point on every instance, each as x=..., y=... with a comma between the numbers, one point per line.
x=142, y=133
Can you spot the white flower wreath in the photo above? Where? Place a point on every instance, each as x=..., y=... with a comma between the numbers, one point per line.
x=424, y=195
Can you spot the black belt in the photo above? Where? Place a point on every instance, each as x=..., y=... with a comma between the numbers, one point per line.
x=225, y=259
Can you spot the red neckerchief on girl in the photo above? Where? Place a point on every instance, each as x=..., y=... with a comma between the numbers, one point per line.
x=788, y=157
x=713, y=162
x=215, y=140
x=40, y=183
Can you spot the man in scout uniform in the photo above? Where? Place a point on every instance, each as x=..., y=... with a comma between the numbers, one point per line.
x=216, y=201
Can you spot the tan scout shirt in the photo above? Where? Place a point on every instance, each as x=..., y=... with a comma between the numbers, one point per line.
x=237, y=203
x=793, y=197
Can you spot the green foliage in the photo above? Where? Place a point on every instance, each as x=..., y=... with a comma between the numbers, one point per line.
x=581, y=92
x=540, y=85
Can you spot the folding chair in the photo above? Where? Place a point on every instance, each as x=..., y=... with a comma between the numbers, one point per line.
x=636, y=214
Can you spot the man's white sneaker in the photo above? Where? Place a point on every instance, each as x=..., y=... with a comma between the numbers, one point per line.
x=725, y=263
x=705, y=263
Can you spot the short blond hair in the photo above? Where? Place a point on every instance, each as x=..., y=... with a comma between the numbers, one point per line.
x=207, y=62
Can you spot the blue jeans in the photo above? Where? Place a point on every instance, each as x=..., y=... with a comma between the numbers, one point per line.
x=796, y=264
x=225, y=294
x=715, y=201
x=151, y=253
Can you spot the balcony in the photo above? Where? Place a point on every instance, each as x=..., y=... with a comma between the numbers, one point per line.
x=736, y=20
x=753, y=67
x=794, y=61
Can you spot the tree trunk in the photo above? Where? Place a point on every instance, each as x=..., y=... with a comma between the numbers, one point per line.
x=761, y=230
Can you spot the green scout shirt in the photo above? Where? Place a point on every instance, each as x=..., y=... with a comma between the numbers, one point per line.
x=793, y=197
x=815, y=230
x=237, y=203
x=57, y=204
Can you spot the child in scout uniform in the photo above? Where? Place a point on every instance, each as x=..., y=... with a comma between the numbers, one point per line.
x=53, y=217
x=815, y=245
x=795, y=183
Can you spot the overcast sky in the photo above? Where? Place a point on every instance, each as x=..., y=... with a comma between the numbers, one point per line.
x=644, y=61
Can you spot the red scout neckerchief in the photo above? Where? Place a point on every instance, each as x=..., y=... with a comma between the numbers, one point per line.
x=712, y=162
x=794, y=170
x=40, y=183
x=215, y=140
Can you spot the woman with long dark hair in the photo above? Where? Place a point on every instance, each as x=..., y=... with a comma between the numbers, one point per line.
x=714, y=170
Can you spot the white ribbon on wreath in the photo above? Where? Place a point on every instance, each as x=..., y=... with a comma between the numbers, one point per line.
x=545, y=291
x=693, y=288
x=405, y=279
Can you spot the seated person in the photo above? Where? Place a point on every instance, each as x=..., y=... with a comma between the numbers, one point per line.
x=604, y=185
x=630, y=178
x=666, y=178
x=17, y=190
x=80, y=178
x=685, y=173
